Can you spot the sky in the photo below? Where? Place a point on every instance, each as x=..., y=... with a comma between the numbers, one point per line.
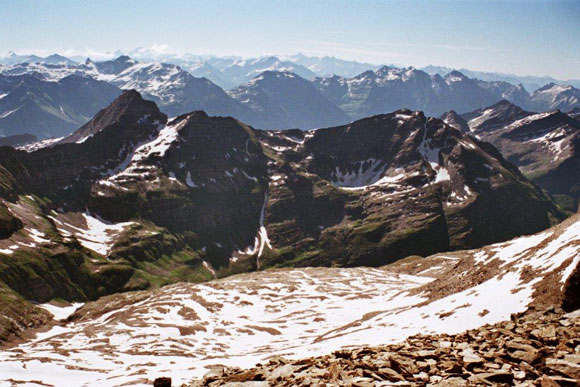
x=510, y=36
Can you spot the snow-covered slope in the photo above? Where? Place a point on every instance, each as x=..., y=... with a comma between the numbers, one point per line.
x=175, y=90
x=543, y=145
x=553, y=96
x=182, y=329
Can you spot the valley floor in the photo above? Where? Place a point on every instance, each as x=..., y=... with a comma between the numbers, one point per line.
x=184, y=330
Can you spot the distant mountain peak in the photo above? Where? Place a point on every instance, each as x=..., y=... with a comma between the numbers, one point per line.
x=128, y=107
x=123, y=58
x=453, y=119
x=455, y=76
x=503, y=104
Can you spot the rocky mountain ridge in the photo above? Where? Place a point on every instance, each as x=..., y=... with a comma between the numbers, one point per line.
x=543, y=145
x=282, y=100
x=151, y=200
x=390, y=88
x=284, y=105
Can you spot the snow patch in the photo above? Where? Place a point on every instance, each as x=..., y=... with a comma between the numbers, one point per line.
x=61, y=312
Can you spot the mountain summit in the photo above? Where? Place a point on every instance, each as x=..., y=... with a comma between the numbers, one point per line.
x=283, y=100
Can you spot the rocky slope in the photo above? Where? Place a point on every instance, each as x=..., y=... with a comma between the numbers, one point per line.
x=184, y=330
x=533, y=348
x=151, y=200
x=390, y=88
x=543, y=146
x=389, y=186
x=456, y=121
x=52, y=246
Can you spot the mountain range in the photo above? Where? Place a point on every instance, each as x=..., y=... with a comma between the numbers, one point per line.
x=226, y=71
x=134, y=200
x=41, y=108
x=531, y=83
x=54, y=59
x=391, y=88
x=229, y=74
x=284, y=100
x=543, y=145
x=271, y=100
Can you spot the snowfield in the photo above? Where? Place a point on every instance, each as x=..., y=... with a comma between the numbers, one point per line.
x=181, y=330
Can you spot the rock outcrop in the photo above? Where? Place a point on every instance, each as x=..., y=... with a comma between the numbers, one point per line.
x=534, y=348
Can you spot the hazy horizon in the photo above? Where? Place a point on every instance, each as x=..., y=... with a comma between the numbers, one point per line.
x=538, y=38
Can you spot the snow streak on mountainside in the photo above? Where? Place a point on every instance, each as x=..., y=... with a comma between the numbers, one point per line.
x=391, y=88
x=543, y=145
x=404, y=184
x=275, y=106
x=182, y=329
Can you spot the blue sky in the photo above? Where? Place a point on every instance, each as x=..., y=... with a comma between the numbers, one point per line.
x=516, y=36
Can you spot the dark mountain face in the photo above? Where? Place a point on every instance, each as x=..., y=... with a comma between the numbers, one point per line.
x=544, y=146
x=454, y=120
x=283, y=100
x=494, y=117
x=17, y=140
x=48, y=109
x=133, y=200
x=390, y=184
x=112, y=67
x=575, y=113
x=66, y=169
